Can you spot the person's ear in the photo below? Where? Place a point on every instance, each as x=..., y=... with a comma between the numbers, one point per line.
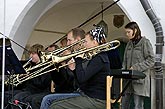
x=95, y=42
x=135, y=31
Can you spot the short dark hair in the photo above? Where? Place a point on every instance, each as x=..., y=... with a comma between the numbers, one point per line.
x=78, y=32
x=54, y=45
x=63, y=42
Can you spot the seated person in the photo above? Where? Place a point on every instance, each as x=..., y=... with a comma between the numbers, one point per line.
x=63, y=79
x=70, y=84
x=115, y=63
x=91, y=76
x=36, y=86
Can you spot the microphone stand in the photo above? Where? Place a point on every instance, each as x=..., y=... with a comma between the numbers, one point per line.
x=20, y=105
x=3, y=67
x=3, y=73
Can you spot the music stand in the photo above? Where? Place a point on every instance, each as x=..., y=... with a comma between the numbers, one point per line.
x=12, y=64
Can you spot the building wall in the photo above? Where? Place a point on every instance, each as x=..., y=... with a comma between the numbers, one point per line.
x=138, y=14
x=18, y=13
x=24, y=9
x=9, y=12
x=19, y=27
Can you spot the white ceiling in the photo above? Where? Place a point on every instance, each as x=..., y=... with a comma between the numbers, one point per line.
x=68, y=14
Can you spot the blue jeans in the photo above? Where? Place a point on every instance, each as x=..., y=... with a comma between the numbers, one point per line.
x=48, y=99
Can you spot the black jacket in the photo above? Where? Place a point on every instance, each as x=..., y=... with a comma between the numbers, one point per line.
x=64, y=80
x=39, y=84
x=92, y=78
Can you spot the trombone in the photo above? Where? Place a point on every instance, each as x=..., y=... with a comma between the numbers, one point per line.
x=18, y=79
x=101, y=48
x=46, y=62
x=57, y=59
x=48, y=55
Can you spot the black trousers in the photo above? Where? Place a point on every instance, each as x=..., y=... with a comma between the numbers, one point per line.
x=36, y=101
x=8, y=96
x=33, y=99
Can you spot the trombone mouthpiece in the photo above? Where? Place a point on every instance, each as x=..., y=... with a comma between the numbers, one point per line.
x=30, y=59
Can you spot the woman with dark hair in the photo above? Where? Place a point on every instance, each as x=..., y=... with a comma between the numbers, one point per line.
x=138, y=56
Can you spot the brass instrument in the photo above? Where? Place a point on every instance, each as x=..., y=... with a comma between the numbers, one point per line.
x=46, y=62
x=18, y=79
x=48, y=55
x=27, y=63
x=13, y=76
x=101, y=48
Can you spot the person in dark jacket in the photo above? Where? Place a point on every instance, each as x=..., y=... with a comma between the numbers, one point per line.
x=138, y=56
x=91, y=76
x=68, y=84
x=63, y=81
x=36, y=86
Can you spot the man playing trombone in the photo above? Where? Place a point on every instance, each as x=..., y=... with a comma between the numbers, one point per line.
x=73, y=36
x=91, y=75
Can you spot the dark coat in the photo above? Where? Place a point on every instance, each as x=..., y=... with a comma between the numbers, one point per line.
x=92, y=77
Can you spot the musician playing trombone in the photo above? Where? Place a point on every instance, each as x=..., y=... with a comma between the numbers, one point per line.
x=91, y=76
x=36, y=86
x=74, y=35
x=36, y=100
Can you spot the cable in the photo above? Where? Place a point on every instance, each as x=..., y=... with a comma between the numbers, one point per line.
x=15, y=42
x=90, y=19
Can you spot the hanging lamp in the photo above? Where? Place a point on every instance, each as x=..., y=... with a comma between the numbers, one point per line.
x=102, y=22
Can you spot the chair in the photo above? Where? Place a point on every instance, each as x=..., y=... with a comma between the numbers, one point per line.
x=52, y=87
x=108, y=92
